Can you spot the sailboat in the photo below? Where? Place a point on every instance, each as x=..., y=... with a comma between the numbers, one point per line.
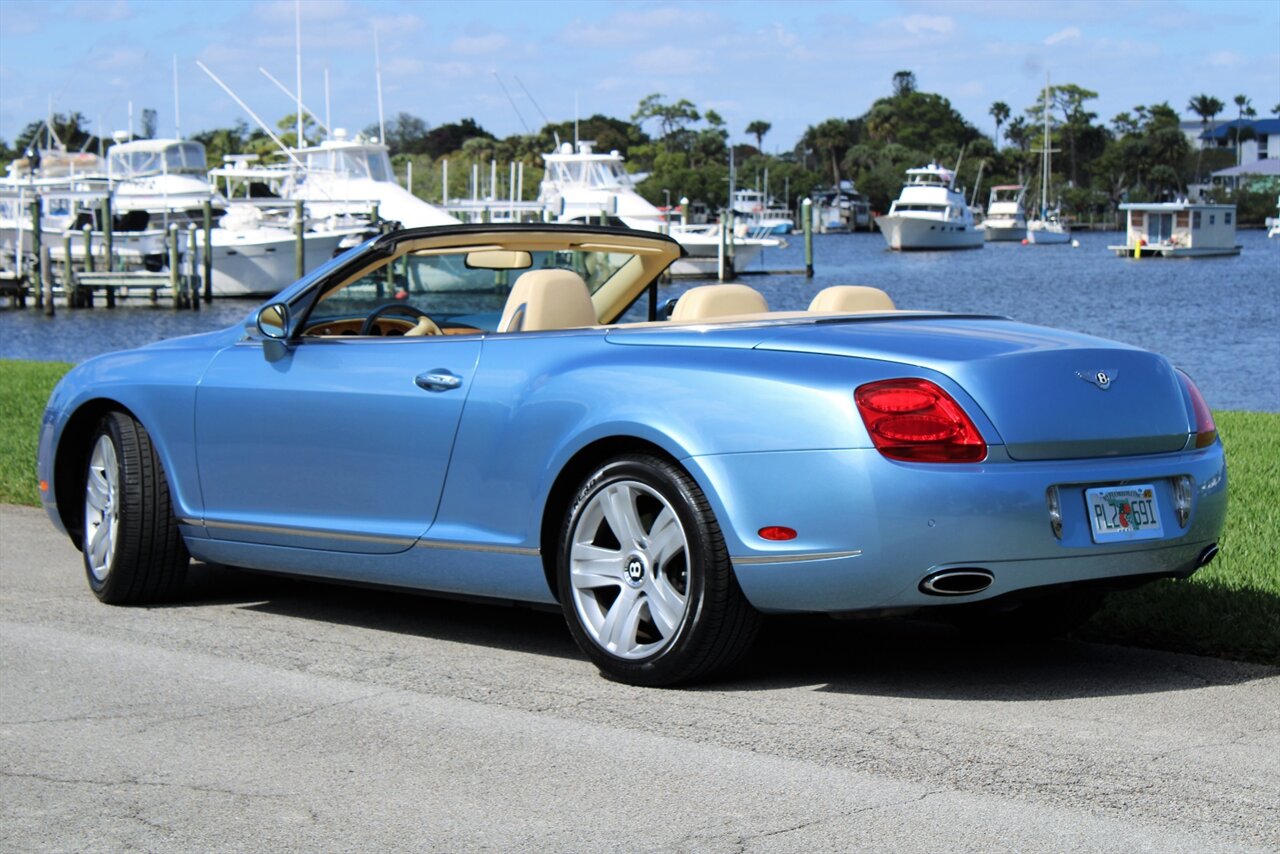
x=1047, y=227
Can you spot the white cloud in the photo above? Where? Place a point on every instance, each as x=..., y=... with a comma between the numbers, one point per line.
x=1069, y=34
x=102, y=10
x=670, y=61
x=928, y=24
x=1224, y=59
x=479, y=45
x=122, y=59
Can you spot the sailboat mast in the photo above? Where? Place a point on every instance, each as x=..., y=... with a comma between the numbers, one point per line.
x=1045, y=161
x=297, y=58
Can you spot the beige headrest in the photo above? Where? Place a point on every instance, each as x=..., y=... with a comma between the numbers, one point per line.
x=718, y=301
x=848, y=298
x=548, y=299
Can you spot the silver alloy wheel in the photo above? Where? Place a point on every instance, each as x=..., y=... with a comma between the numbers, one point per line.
x=628, y=570
x=102, y=508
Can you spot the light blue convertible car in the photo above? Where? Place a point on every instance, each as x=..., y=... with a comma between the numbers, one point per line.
x=459, y=410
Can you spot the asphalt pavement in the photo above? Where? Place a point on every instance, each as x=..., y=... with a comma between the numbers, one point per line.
x=270, y=714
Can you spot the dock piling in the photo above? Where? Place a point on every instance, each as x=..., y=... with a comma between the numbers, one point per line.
x=46, y=276
x=806, y=216
x=175, y=268
x=207, y=213
x=299, y=232
x=191, y=290
x=37, y=214
x=68, y=275
x=108, y=242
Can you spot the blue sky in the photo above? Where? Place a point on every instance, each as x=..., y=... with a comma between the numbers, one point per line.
x=787, y=62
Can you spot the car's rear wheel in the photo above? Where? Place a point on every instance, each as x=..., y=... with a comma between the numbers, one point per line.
x=133, y=552
x=644, y=576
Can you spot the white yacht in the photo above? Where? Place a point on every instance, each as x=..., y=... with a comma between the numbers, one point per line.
x=338, y=178
x=160, y=176
x=344, y=174
x=1047, y=227
x=1006, y=218
x=930, y=213
x=581, y=185
x=762, y=215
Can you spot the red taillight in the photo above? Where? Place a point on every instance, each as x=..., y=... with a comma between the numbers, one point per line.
x=915, y=420
x=1206, y=429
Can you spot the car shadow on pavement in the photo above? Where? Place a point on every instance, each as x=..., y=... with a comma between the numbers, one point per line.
x=928, y=660
x=890, y=657
x=532, y=629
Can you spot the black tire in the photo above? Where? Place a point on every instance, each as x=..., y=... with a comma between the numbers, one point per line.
x=1037, y=619
x=146, y=559
x=717, y=624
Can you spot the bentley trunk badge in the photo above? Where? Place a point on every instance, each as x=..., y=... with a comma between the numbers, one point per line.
x=1102, y=379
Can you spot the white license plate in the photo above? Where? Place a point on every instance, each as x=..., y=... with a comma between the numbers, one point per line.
x=1124, y=513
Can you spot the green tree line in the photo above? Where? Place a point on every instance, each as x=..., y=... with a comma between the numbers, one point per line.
x=1138, y=155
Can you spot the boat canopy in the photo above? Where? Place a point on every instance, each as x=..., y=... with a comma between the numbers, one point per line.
x=931, y=175
x=349, y=161
x=145, y=157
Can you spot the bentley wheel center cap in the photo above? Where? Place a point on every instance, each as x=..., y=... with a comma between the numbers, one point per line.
x=635, y=570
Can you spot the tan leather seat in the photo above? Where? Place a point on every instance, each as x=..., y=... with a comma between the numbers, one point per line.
x=548, y=299
x=851, y=298
x=710, y=301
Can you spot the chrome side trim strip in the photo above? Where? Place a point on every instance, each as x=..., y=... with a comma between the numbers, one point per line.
x=194, y=523
x=369, y=538
x=308, y=532
x=793, y=558
x=474, y=547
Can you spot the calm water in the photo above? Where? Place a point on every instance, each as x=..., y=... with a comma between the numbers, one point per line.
x=1218, y=318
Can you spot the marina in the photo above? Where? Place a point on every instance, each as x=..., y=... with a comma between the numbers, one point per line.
x=1225, y=334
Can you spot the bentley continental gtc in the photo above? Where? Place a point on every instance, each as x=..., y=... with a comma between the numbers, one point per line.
x=465, y=410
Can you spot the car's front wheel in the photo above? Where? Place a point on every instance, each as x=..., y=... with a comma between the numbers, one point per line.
x=133, y=552
x=644, y=576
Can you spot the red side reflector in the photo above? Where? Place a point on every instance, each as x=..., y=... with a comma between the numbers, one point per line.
x=44, y=486
x=915, y=420
x=1206, y=428
x=776, y=532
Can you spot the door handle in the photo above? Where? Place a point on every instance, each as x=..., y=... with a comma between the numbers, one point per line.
x=438, y=380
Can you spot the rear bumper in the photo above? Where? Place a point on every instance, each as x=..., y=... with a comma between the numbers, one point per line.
x=870, y=529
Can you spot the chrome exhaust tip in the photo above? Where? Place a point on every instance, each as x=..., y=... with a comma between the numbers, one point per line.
x=957, y=582
x=1207, y=556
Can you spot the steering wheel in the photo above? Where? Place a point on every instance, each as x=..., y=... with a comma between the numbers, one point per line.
x=424, y=319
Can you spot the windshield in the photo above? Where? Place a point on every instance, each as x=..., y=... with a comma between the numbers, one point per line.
x=589, y=173
x=351, y=163
x=182, y=157
x=456, y=296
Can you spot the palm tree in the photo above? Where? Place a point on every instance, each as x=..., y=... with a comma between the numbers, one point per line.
x=758, y=129
x=1000, y=111
x=1242, y=102
x=1206, y=107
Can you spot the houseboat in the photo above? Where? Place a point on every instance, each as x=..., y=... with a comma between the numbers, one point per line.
x=1179, y=229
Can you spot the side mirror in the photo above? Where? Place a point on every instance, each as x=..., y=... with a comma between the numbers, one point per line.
x=273, y=323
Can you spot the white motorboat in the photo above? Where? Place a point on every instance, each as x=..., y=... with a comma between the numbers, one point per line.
x=1006, y=218
x=1047, y=227
x=251, y=259
x=165, y=177
x=1273, y=222
x=347, y=176
x=761, y=215
x=581, y=186
x=930, y=213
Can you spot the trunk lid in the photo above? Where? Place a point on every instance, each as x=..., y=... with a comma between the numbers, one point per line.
x=1038, y=386
x=1051, y=394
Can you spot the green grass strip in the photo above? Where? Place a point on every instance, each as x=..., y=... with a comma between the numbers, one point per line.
x=1230, y=609
x=24, y=390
